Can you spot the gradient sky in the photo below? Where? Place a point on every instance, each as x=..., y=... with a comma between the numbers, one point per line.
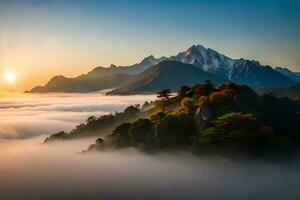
x=39, y=39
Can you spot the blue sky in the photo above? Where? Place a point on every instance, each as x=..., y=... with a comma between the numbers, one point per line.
x=71, y=37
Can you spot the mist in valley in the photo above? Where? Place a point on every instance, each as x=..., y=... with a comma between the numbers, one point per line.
x=32, y=170
x=28, y=115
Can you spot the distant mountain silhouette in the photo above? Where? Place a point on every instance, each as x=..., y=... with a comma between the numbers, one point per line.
x=96, y=80
x=219, y=67
x=167, y=74
x=292, y=75
x=292, y=91
x=255, y=75
x=99, y=78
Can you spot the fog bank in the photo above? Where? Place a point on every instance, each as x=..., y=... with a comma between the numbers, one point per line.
x=30, y=170
x=29, y=115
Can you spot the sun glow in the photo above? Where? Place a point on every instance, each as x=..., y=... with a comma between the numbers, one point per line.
x=10, y=76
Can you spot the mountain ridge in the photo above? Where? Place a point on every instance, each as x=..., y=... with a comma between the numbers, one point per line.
x=157, y=78
x=292, y=75
x=241, y=71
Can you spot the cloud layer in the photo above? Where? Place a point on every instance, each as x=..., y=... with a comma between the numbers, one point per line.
x=30, y=170
x=29, y=115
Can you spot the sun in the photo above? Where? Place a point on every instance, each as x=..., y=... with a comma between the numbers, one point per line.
x=10, y=76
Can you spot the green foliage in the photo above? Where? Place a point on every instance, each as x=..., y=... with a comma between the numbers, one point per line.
x=91, y=119
x=57, y=136
x=164, y=94
x=131, y=110
x=142, y=131
x=184, y=91
x=188, y=105
x=175, y=131
x=97, y=126
x=146, y=105
x=157, y=118
x=207, y=88
x=231, y=118
x=241, y=131
x=121, y=134
x=99, y=141
x=197, y=91
x=229, y=126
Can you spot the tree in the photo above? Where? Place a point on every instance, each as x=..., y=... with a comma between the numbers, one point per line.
x=197, y=90
x=164, y=94
x=188, y=105
x=99, y=141
x=240, y=131
x=131, y=110
x=121, y=135
x=183, y=91
x=91, y=119
x=146, y=106
x=229, y=127
x=204, y=101
x=142, y=131
x=175, y=131
x=223, y=97
x=208, y=87
x=157, y=118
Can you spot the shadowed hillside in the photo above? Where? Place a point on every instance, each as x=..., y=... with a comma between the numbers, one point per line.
x=96, y=80
x=229, y=119
x=167, y=74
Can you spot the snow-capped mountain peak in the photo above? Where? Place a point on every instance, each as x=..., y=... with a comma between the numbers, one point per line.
x=244, y=71
x=206, y=59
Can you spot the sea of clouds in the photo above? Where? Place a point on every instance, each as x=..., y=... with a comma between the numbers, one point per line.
x=29, y=115
x=30, y=170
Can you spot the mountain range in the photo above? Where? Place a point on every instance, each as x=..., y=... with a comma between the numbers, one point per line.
x=292, y=75
x=157, y=77
x=194, y=65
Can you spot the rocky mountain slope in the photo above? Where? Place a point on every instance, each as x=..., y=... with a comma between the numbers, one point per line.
x=292, y=75
x=218, y=65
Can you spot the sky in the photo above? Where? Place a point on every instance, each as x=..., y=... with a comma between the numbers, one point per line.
x=40, y=39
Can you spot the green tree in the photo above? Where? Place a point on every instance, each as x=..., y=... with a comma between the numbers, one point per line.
x=164, y=94
x=188, y=105
x=91, y=119
x=142, y=131
x=240, y=131
x=157, y=118
x=183, y=91
x=208, y=88
x=99, y=141
x=121, y=135
x=131, y=110
x=197, y=90
x=175, y=131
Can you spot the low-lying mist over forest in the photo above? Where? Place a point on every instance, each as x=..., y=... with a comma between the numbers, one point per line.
x=55, y=171
x=32, y=170
x=29, y=115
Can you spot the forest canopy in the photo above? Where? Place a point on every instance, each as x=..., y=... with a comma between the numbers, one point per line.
x=226, y=119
